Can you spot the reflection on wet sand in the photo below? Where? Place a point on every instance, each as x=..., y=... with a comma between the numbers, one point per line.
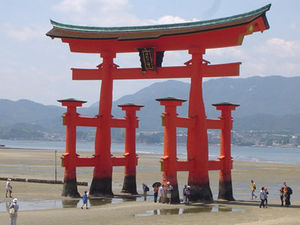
x=196, y=209
x=76, y=203
x=70, y=203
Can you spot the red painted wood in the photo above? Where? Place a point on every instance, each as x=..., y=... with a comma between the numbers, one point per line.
x=230, y=69
x=210, y=39
x=169, y=159
x=130, y=137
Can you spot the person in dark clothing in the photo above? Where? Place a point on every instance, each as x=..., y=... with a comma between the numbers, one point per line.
x=287, y=191
x=281, y=193
x=145, y=190
x=155, y=191
x=262, y=196
x=266, y=196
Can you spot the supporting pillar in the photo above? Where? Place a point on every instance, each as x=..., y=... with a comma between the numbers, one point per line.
x=102, y=177
x=69, y=157
x=129, y=185
x=197, y=142
x=170, y=144
x=225, y=182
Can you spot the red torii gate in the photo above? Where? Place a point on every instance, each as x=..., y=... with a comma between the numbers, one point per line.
x=151, y=42
x=170, y=163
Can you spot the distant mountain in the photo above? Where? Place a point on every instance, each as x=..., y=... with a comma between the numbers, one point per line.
x=274, y=95
x=266, y=103
x=149, y=115
x=25, y=111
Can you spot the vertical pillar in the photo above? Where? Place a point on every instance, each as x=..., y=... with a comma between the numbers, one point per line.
x=129, y=185
x=69, y=157
x=225, y=183
x=102, y=177
x=197, y=142
x=170, y=144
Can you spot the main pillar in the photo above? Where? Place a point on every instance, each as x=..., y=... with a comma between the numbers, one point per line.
x=129, y=185
x=169, y=159
x=102, y=177
x=225, y=183
x=69, y=157
x=197, y=141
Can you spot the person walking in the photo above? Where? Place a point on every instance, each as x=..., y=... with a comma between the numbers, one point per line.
x=266, y=196
x=155, y=191
x=287, y=191
x=188, y=195
x=84, y=200
x=262, y=196
x=253, y=188
x=184, y=194
x=8, y=188
x=145, y=190
x=169, y=192
x=281, y=194
x=161, y=191
x=13, y=211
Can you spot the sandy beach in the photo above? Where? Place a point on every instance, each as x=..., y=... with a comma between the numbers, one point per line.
x=39, y=164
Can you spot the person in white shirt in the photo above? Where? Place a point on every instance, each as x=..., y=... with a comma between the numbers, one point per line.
x=161, y=191
x=13, y=211
x=8, y=188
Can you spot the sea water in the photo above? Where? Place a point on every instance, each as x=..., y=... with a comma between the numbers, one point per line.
x=256, y=154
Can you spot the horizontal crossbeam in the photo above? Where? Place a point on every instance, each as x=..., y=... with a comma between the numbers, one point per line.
x=221, y=70
x=214, y=124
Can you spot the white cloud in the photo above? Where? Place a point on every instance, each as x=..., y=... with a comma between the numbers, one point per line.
x=236, y=53
x=168, y=19
x=71, y=6
x=272, y=57
x=294, y=26
x=108, y=13
x=91, y=6
x=281, y=48
x=97, y=12
x=23, y=33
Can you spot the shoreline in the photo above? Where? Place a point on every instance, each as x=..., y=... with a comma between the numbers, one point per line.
x=146, y=144
x=38, y=164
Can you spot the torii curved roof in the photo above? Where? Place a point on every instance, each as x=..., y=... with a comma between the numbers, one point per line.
x=61, y=30
x=218, y=33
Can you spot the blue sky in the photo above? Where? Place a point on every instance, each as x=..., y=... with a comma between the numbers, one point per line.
x=32, y=66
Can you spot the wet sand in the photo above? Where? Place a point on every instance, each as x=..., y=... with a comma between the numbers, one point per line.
x=39, y=164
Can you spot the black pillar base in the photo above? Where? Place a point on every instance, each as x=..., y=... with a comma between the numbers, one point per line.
x=101, y=186
x=70, y=189
x=225, y=190
x=201, y=192
x=175, y=195
x=129, y=185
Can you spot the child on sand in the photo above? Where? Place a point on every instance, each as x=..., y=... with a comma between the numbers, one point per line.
x=253, y=188
x=84, y=200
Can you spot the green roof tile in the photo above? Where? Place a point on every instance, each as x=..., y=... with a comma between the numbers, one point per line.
x=256, y=12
